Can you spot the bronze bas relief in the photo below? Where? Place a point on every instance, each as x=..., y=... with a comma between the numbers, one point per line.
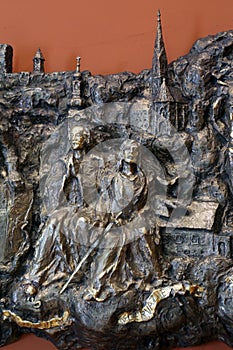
x=116, y=202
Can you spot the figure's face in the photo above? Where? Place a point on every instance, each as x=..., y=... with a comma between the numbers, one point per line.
x=77, y=137
x=130, y=152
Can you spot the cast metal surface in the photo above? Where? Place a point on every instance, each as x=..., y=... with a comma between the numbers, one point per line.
x=116, y=202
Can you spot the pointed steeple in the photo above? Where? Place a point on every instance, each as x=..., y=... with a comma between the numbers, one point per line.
x=164, y=94
x=77, y=73
x=76, y=100
x=159, y=62
x=38, y=62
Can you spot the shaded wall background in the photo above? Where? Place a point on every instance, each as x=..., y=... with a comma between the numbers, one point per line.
x=110, y=36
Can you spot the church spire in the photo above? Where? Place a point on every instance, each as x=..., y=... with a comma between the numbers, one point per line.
x=76, y=100
x=159, y=62
x=38, y=62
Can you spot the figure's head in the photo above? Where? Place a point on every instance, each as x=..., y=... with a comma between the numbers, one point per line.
x=130, y=151
x=78, y=136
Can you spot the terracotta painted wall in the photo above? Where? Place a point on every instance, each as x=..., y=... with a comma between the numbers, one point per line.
x=110, y=36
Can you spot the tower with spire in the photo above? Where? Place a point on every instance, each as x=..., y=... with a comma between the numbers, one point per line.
x=168, y=105
x=38, y=62
x=159, y=62
x=76, y=100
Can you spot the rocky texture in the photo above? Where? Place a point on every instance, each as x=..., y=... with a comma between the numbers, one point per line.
x=153, y=273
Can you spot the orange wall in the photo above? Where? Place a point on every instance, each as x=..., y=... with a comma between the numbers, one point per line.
x=110, y=36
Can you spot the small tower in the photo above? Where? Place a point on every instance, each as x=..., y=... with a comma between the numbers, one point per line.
x=6, y=54
x=78, y=59
x=169, y=107
x=38, y=62
x=164, y=94
x=159, y=62
x=76, y=100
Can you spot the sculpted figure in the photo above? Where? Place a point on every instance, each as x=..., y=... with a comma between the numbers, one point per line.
x=57, y=234
x=16, y=198
x=124, y=259
x=80, y=137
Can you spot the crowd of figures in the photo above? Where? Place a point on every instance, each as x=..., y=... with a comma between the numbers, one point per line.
x=99, y=215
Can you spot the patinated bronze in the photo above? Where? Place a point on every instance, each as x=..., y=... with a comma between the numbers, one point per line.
x=116, y=202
